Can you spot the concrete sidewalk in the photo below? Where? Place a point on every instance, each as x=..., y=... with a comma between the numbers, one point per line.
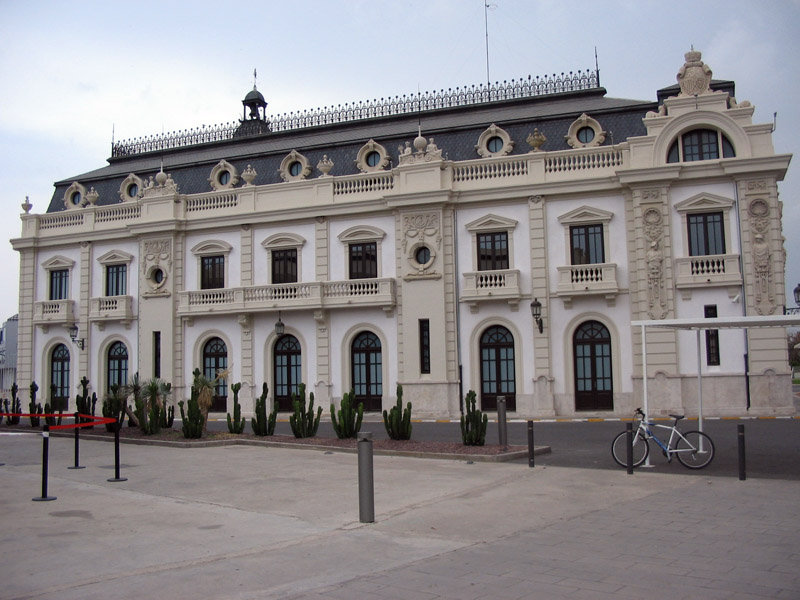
x=249, y=523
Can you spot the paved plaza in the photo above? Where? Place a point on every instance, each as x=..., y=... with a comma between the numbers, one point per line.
x=244, y=522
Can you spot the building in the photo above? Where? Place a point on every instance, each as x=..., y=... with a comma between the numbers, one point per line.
x=8, y=356
x=498, y=239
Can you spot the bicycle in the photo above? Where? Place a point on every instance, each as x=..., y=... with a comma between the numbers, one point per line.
x=694, y=449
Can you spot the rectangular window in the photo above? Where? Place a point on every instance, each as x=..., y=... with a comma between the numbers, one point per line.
x=712, y=337
x=587, y=244
x=424, y=346
x=492, y=251
x=706, y=234
x=116, y=279
x=59, y=284
x=284, y=266
x=212, y=272
x=156, y=354
x=363, y=260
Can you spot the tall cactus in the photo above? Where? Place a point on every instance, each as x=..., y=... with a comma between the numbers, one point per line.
x=236, y=425
x=473, y=424
x=50, y=407
x=303, y=422
x=262, y=423
x=398, y=420
x=194, y=421
x=34, y=408
x=113, y=407
x=84, y=405
x=16, y=406
x=350, y=418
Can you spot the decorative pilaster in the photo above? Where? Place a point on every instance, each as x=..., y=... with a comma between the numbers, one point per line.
x=83, y=310
x=543, y=401
x=25, y=338
x=321, y=272
x=450, y=300
x=247, y=255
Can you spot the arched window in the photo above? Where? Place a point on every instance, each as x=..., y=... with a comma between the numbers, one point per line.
x=59, y=377
x=497, y=368
x=117, y=365
x=367, y=365
x=700, y=144
x=286, y=369
x=593, y=380
x=215, y=359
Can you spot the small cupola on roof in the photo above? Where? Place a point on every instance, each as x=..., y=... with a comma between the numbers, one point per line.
x=254, y=118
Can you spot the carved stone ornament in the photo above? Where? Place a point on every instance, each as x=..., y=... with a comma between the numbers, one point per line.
x=536, y=140
x=757, y=185
x=759, y=215
x=694, y=76
x=27, y=206
x=762, y=267
x=418, y=227
x=325, y=165
x=427, y=151
x=92, y=196
x=653, y=224
x=161, y=185
x=655, y=282
x=294, y=167
x=156, y=264
x=131, y=188
x=249, y=174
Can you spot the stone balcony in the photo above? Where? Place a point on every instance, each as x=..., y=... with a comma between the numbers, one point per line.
x=315, y=295
x=588, y=280
x=53, y=312
x=711, y=270
x=481, y=286
x=111, y=309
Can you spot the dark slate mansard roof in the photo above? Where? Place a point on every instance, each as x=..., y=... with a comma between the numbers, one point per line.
x=455, y=131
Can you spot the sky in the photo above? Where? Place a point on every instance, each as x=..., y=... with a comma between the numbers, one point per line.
x=71, y=73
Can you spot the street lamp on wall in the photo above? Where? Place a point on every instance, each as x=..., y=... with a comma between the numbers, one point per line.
x=794, y=311
x=73, y=335
x=536, y=313
x=279, y=326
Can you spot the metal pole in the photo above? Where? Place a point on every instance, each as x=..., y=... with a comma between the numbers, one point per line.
x=77, y=446
x=644, y=385
x=366, y=486
x=116, y=456
x=699, y=392
x=45, y=456
x=530, y=444
x=502, y=424
x=740, y=435
x=629, y=447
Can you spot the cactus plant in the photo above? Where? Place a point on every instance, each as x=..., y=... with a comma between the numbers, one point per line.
x=34, y=408
x=262, y=423
x=84, y=405
x=193, y=422
x=303, y=422
x=16, y=406
x=349, y=422
x=473, y=424
x=113, y=407
x=236, y=425
x=167, y=416
x=49, y=409
x=398, y=420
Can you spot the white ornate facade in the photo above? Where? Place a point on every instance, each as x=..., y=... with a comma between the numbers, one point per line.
x=393, y=258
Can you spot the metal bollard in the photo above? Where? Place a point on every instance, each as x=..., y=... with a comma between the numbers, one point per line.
x=530, y=444
x=45, y=457
x=77, y=446
x=116, y=456
x=502, y=424
x=366, y=485
x=629, y=447
x=740, y=435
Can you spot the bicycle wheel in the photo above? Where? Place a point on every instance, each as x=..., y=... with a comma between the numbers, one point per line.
x=694, y=449
x=641, y=449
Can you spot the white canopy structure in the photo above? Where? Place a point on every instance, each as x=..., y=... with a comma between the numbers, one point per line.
x=699, y=325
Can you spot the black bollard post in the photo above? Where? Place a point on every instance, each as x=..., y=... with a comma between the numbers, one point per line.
x=530, y=444
x=116, y=456
x=740, y=435
x=45, y=457
x=77, y=446
x=629, y=447
x=502, y=424
x=366, y=486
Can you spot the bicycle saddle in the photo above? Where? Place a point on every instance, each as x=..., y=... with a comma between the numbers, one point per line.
x=677, y=417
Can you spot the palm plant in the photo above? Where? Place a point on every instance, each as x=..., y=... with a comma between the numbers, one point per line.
x=206, y=388
x=134, y=388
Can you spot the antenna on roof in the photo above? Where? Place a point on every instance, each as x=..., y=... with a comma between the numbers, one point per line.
x=112, y=135
x=596, y=67
x=486, y=7
x=255, y=78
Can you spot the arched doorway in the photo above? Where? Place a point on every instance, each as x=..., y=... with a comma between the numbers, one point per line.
x=215, y=359
x=117, y=365
x=497, y=368
x=367, y=362
x=286, y=371
x=592, y=354
x=59, y=377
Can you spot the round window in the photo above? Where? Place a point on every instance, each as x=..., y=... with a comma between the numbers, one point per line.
x=224, y=178
x=373, y=159
x=423, y=255
x=295, y=169
x=585, y=135
x=157, y=275
x=133, y=190
x=495, y=144
x=75, y=198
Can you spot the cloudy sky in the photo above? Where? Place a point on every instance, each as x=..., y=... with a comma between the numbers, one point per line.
x=73, y=72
